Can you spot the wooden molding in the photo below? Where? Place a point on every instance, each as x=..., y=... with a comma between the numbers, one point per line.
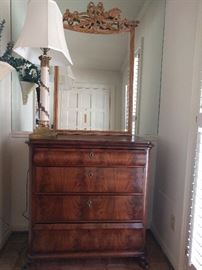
x=97, y=21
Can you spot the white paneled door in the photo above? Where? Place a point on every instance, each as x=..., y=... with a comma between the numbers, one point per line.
x=86, y=107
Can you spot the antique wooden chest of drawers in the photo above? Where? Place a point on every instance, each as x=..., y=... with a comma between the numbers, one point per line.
x=88, y=196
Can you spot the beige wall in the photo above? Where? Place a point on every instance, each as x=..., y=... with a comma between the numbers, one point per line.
x=176, y=118
x=150, y=33
x=19, y=178
x=5, y=127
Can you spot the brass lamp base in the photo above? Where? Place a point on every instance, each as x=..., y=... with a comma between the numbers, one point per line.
x=43, y=133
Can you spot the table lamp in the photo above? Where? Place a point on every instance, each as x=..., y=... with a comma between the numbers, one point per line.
x=42, y=39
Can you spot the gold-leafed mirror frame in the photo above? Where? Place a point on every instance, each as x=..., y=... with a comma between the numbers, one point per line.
x=98, y=21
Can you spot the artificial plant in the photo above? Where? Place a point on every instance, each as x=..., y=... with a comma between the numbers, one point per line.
x=26, y=70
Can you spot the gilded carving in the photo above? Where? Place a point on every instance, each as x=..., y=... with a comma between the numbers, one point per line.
x=98, y=21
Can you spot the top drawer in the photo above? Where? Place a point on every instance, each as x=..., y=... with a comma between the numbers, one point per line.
x=88, y=157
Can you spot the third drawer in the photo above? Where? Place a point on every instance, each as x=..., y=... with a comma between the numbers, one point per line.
x=49, y=209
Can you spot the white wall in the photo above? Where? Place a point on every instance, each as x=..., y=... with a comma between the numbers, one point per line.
x=174, y=127
x=22, y=114
x=5, y=185
x=5, y=126
x=19, y=177
x=150, y=30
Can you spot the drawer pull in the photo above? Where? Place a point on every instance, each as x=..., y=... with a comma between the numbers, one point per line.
x=91, y=155
x=89, y=203
x=90, y=174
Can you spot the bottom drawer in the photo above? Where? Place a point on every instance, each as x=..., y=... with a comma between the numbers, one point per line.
x=61, y=238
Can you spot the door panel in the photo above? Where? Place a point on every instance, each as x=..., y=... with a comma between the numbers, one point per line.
x=86, y=108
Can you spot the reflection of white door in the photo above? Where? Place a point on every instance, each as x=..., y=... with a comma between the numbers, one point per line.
x=86, y=107
x=83, y=110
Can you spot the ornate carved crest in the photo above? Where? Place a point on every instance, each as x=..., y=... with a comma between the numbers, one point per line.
x=98, y=21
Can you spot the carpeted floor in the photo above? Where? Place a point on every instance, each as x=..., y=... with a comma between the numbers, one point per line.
x=13, y=257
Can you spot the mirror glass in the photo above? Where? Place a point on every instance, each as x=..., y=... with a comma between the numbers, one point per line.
x=93, y=93
x=148, y=52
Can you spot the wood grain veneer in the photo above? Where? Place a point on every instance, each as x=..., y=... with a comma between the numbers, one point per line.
x=88, y=197
x=89, y=179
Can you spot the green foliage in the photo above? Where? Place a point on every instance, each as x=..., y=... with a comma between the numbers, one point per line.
x=26, y=70
x=2, y=24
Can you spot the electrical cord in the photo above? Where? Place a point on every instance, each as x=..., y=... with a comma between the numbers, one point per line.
x=25, y=213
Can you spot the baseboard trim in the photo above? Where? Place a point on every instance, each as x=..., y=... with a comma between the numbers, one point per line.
x=19, y=228
x=164, y=247
x=4, y=238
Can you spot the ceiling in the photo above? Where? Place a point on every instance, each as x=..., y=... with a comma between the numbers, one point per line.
x=104, y=52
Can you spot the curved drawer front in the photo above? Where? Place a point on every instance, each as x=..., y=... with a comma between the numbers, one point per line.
x=88, y=179
x=50, y=209
x=86, y=238
x=61, y=157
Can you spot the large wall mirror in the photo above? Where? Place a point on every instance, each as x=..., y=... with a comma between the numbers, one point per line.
x=97, y=85
x=95, y=94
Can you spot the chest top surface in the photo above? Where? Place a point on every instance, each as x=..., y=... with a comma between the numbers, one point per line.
x=82, y=142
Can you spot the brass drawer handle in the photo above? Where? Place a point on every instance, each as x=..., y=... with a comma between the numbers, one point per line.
x=91, y=155
x=89, y=203
x=90, y=174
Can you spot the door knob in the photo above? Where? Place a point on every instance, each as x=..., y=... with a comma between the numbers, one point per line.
x=91, y=155
x=90, y=174
x=89, y=203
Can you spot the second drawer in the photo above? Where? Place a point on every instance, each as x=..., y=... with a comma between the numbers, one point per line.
x=49, y=209
x=88, y=179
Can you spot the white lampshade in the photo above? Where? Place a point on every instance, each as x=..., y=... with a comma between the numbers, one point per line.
x=5, y=69
x=43, y=28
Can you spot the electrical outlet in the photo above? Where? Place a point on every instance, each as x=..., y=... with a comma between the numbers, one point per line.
x=172, y=222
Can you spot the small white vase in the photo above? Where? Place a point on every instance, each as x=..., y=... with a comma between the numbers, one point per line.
x=26, y=88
